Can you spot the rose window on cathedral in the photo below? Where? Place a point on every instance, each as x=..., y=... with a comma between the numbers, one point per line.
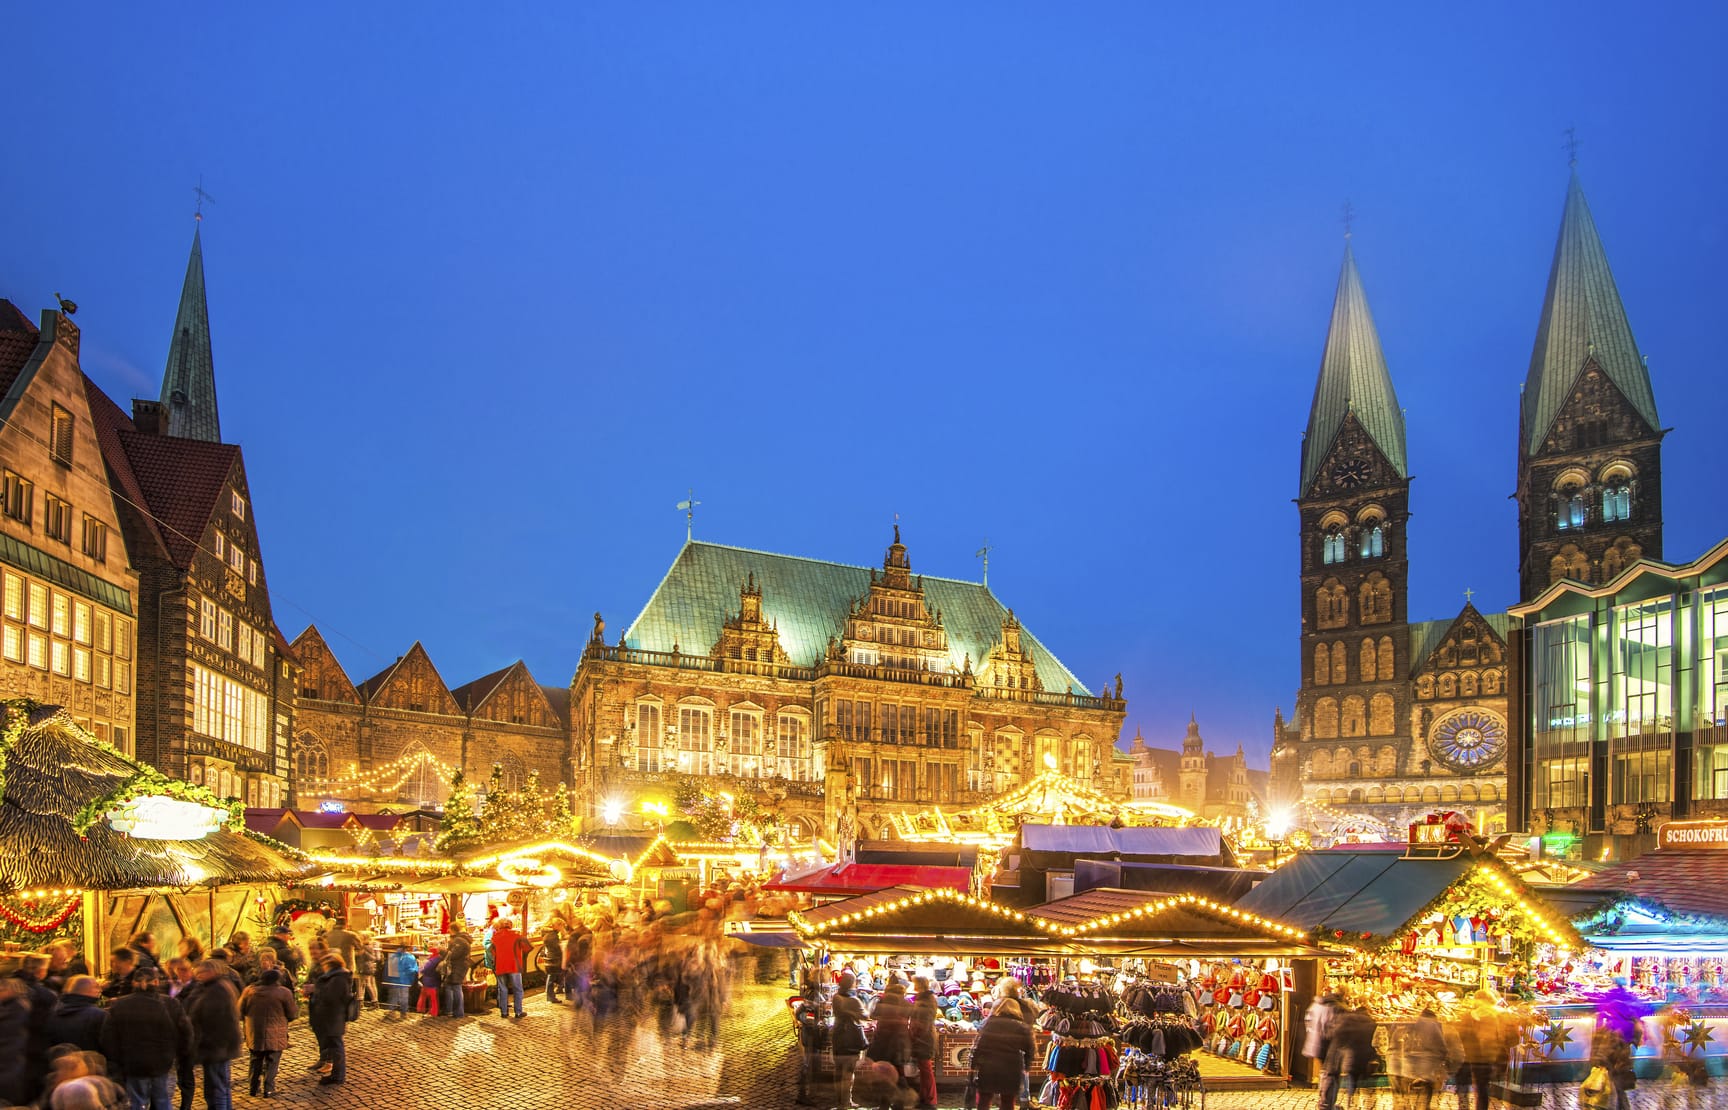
x=1469, y=741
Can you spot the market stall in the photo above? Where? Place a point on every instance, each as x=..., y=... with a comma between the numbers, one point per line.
x=101, y=847
x=1423, y=925
x=1090, y=955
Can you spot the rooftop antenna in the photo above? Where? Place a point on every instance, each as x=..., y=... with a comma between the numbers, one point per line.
x=1349, y=220
x=689, y=506
x=1570, y=146
x=203, y=199
x=984, y=553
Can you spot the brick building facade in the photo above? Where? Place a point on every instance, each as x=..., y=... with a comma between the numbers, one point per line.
x=817, y=687
x=395, y=739
x=1212, y=786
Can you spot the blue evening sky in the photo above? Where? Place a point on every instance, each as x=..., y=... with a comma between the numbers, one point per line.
x=492, y=285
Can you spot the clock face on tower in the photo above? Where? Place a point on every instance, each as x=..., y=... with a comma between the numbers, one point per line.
x=1350, y=474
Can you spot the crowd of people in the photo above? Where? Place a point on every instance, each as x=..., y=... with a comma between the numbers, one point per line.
x=160, y=1026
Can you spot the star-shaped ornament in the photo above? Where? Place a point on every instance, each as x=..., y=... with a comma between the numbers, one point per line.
x=1556, y=1037
x=1697, y=1036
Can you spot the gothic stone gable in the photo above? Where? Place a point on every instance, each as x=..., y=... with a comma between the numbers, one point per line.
x=413, y=684
x=1353, y=464
x=516, y=700
x=321, y=675
x=1597, y=413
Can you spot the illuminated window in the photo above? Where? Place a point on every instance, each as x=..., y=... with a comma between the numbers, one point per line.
x=95, y=539
x=1617, y=502
x=62, y=615
x=1373, y=541
x=792, y=747
x=207, y=619
x=37, y=612
x=56, y=518
x=81, y=621
x=311, y=758
x=695, y=740
x=1571, y=510
x=36, y=651
x=1332, y=547
x=14, y=646
x=237, y=504
x=225, y=630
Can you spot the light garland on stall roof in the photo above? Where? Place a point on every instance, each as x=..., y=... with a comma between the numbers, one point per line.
x=1055, y=928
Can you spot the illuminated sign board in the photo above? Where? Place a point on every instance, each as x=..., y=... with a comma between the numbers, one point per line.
x=1693, y=834
x=158, y=817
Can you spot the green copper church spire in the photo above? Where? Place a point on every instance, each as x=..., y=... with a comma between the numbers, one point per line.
x=1353, y=379
x=189, y=382
x=1582, y=319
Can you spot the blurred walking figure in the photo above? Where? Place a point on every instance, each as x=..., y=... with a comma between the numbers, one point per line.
x=267, y=1007
x=1418, y=1062
x=1482, y=1034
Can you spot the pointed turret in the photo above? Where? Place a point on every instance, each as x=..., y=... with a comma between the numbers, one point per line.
x=1353, y=380
x=1582, y=320
x=189, y=382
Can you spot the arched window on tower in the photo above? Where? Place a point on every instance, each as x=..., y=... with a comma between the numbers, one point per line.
x=1375, y=599
x=1332, y=546
x=1367, y=662
x=1373, y=541
x=1326, y=719
x=1571, y=512
x=311, y=759
x=1354, y=721
x=1617, y=501
x=1387, y=657
x=1340, y=664
x=1331, y=604
x=1322, y=665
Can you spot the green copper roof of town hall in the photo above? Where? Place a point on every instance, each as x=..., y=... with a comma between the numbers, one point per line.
x=1582, y=317
x=189, y=382
x=809, y=599
x=1353, y=379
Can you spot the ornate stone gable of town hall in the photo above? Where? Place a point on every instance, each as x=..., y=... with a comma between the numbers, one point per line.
x=321, y=675
x=412, y=684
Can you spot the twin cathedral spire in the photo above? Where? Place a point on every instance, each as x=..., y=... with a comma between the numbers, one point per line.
x=1589, y=474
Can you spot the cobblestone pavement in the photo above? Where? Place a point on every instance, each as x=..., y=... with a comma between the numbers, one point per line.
x=551, y=1059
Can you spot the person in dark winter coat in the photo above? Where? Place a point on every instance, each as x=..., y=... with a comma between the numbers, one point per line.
x=14, y=1035
x=553, y=948
x=1351, y=1052
x=458, y=958
x=282, y=942
x=329, y=1015
x=923, y=1025
x=144, y=945
x=213, y=1008
x=267, y=1007
x=122, y=962
x=145, y=1036
x=892, y=1043
x=1002, y=1055
x=31, y=970
x=65, y=963
x=79, y=1016
x=812, y=1026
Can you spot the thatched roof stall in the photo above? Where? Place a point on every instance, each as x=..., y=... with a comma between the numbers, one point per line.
x=59, y=847
x=53, y=770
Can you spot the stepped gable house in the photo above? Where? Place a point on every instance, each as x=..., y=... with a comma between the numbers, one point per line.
x=395, y=739
x=815, y=685
x=68, y=626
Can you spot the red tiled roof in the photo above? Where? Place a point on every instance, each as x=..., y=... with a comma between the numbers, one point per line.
x=182, y=480
x=18, y=338
x=283, y=648
x=1679, y=880
x=474, y=694
x=378, y=822
x=110, y=422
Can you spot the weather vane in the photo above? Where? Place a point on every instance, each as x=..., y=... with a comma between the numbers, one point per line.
x=984, y=553
x=1349, y=219
x=1571, y=146
x=203, y=199
x=689, y=506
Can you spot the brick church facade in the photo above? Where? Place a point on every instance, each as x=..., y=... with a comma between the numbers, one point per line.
x=1396, y=717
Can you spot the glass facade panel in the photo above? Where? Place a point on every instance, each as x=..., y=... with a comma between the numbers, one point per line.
x=1640, y=713
x=1710, y=724
x=1560, y=687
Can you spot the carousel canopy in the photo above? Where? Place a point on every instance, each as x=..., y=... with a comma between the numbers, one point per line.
x=52, y=770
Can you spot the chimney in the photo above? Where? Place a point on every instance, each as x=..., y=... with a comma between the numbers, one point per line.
x=149, y=417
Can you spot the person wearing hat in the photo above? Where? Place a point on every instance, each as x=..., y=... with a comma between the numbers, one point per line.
x=925, y=1007
x=287, y=958
x=849, y=1039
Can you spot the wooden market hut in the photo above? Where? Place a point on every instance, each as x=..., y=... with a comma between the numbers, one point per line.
x=102, y=884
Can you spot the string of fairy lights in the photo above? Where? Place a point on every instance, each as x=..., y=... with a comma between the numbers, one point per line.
x=387, y=777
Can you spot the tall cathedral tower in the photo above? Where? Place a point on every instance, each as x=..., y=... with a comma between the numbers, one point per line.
x=1354, y=504
x=1589, y=443
x=1191, y=777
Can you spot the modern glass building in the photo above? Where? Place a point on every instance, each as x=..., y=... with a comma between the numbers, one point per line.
x=1623, y=691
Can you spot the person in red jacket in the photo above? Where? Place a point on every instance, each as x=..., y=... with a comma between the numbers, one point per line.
x=509, y=953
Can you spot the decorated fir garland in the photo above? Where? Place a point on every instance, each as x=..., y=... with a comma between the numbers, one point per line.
x=149, y=782
x=40, y=925
x=17, y=713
